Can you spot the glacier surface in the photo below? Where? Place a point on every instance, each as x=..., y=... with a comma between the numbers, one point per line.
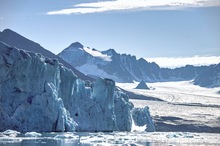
x=40, y=94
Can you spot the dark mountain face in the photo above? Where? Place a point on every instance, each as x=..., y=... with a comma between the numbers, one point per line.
x=116, y=67
x=110, y=64
x=76, y=45
x=14, y=39
x=188, y=72
x=210, y=77
x=142, y=85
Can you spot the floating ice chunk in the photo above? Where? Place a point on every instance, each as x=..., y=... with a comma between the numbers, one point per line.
x=11, y=133
x=67, y=135
x=2, y=135
x=181, y=135
x=5, y=140
x=32, y=134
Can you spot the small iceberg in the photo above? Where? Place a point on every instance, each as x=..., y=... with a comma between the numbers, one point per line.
x=11, y=133
x=67, y=135
x=32, y=134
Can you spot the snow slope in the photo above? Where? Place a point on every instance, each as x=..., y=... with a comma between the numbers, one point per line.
x=87, y=60
x=182, y=106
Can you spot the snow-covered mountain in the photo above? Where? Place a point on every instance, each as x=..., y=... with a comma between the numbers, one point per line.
x=210, y=77
x=14, y=39
x=109, y=63
x=40, y=94
x=123, y=67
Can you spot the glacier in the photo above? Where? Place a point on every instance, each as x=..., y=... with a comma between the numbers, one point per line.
x=42, y=95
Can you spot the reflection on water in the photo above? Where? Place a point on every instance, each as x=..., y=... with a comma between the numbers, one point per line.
x=49, y=142
x=114, y=138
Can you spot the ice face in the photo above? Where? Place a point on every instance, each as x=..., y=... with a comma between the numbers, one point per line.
x=103, y=93
x=141, y=117
x=32, y=134
x=40, y=94
x=122, y=111
x=29, y=91
x=95, y=112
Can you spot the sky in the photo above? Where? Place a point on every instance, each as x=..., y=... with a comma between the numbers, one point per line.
x=159, y=30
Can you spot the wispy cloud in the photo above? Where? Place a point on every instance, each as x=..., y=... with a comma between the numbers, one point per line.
x=171, y=62
x=116, y=5
x=1, y=18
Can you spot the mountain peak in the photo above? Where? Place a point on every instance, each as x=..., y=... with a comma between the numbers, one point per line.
x=12, y=38
x=76, y=45
x=142, y=85
x=16, y=40
x=9, y=32
x=110, y=52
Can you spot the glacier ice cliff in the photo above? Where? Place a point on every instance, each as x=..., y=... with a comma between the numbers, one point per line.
x=40, y=94
x=141, y=117
x=29, y=95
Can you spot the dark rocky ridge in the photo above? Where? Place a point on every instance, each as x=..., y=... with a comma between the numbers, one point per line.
x=16, y=40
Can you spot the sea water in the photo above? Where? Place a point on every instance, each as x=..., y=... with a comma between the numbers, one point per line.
x=112, y=138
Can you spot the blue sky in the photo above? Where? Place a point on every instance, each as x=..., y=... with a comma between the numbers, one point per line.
x=145, y=28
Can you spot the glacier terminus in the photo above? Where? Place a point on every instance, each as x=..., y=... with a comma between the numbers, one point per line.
x=40, y=94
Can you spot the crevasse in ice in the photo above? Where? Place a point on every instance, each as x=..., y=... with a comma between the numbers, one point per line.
x=40, y=94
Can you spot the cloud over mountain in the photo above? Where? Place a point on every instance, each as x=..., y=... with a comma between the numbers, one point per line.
x=173, y=62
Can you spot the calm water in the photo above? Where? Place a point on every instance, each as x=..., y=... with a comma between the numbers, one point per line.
x=115, y=138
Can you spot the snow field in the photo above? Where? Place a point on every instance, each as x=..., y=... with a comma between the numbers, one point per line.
x=182, y=103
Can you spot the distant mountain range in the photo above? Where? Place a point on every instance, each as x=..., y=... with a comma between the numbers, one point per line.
x=127, y=68
x=89, y=63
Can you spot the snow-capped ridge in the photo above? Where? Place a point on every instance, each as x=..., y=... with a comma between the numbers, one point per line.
x=109, y=52
x=127, y=67
x=96, y=53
